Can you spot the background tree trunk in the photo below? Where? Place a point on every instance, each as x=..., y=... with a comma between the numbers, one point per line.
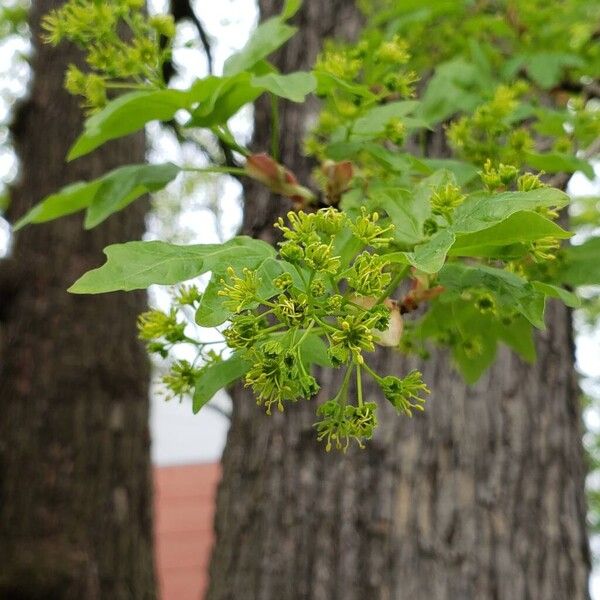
x=481, y=497
x=75, y=487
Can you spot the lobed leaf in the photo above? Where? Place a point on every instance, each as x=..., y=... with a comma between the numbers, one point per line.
x=407, y=212
x=225, y=99
x=137, y=265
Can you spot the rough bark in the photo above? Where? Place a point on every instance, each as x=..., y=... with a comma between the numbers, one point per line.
x=479, y=498
x=75, y=493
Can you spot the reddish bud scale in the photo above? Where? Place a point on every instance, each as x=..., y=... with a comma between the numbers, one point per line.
x=279, y=179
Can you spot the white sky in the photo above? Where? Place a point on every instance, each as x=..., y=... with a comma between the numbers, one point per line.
x=178, y=436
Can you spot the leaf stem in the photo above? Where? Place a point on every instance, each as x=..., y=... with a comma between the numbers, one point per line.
x=372, y=373
x=398, y=277
x=226, y=170
x=275, y=133
x=359, y=390
x=305, y=334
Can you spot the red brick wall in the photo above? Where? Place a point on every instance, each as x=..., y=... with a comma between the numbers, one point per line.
x=184, y=509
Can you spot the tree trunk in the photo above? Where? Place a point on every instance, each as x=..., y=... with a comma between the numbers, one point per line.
x=75, y=487
x=481, y=497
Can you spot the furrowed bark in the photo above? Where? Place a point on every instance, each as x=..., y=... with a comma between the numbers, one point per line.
x=75, y=487
x=480, y=497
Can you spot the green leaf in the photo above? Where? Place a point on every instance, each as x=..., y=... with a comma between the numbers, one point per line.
x=294, y=87
x=546, y=68
x=430, y=256
x=215, y=377
x=327, y=84
x=456, y=86
x=270, y=269
x=290, y=8
x=482, y=210
x=130, y=112
x=346, y=246
x=102, y=196
x=519, y=228
x=510, y=289
x=373, y=122
x=267, y=38
x=314, y=351
x=398, y=258
x=518, y=335
x=407, y=212
x=466, y=326
x=555, y=162
x=473, y=365
x=137, y=265
x=70, y=199
x=120, y=188
x=398, y=162
x=211, y=311
x=554, y=291
x=463, y=172
x=582, y=263
x=225, y=100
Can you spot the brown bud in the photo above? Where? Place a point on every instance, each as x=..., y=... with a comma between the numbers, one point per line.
x=279, y=179
x=337, y=179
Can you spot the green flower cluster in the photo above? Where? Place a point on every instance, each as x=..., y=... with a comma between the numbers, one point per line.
x=321, y=302
x=124, y=47
x=342, y=423
x=162, y=331
x=490, y=132
x=324, y=301
x=379, y=66
x=445, y=200
x=279, y=374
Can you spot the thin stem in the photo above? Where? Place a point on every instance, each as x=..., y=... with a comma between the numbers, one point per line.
x=393, y=284
x=275, y=133
x=371, y=372
x=273, y=328
x=305, y=334
x=359, y=389
x=128, y=86
x=343, y=388
x=299, y=271
x=190, y=340
x=227, y=170
x=325, y=325
x=226, y=137
x=265, y=302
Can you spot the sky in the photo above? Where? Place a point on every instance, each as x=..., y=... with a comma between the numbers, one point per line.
x=178, y=437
